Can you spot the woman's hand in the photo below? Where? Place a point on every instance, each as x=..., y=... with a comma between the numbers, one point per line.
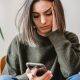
x=54, y=24
x=32, y=75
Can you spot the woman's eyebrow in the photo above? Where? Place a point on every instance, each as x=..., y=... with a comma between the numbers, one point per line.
x=44, y=11
x=47, y=10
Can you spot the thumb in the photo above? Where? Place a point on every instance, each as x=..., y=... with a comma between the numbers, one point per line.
x=34, y=71
x=47, y=74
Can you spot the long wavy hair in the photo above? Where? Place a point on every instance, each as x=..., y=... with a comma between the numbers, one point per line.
x=25, y=23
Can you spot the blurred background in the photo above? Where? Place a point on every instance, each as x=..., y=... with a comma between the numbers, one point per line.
x=8, y=11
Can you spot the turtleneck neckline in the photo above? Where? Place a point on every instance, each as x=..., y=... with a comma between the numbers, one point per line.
x=42, y=39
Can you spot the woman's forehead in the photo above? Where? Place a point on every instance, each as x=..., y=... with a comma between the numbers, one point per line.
x=42, y=6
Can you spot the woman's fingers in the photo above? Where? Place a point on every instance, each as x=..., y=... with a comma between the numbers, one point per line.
x=47, y=76
x=54, y=23
x=28, y=71
x=31, y=73
x=34, y=71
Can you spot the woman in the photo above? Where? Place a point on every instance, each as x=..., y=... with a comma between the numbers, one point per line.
x=44, y=39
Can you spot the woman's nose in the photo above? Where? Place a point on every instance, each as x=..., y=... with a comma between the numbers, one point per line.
x=43, y=20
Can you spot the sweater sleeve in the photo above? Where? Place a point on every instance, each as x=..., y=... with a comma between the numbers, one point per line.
x=12, y=66
x=67, y=48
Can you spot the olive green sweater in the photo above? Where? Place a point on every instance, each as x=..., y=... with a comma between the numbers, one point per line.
x=59, y=52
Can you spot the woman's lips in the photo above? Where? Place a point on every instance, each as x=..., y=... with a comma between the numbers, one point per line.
x=45, y=27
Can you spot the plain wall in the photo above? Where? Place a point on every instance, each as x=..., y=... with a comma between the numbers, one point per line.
x=8, y=11
x=72, y=15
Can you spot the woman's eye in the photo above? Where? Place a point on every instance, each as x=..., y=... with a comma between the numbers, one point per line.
x=49, y=13
x=35, y=16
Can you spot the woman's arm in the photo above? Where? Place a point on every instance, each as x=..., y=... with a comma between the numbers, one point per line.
x=12, y=66
x=68, y=51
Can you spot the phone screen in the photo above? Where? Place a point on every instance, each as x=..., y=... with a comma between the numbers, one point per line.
x=41, y=68
x=32, y=65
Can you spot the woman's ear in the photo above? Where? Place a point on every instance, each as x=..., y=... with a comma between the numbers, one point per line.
x=34, y=27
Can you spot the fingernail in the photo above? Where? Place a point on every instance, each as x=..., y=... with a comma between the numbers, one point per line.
x=51, y=75
x=50, y=72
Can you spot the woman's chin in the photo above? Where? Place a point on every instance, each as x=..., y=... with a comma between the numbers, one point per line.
x=44, y=32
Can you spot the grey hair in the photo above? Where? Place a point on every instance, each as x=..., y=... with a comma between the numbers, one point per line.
x=25, y=22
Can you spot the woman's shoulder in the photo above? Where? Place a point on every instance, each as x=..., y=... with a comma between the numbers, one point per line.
x=71, y=36
x=18, y=40
x=17, y=43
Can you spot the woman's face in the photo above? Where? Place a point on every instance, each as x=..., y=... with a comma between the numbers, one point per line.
x=42, y=16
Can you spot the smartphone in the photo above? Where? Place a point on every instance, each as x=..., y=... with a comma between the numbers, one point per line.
x=32, y=65
x=41, y=67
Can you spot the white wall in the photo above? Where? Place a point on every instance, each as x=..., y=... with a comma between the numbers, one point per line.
x=72, y=13
x=8, y=11
x=9, y=8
